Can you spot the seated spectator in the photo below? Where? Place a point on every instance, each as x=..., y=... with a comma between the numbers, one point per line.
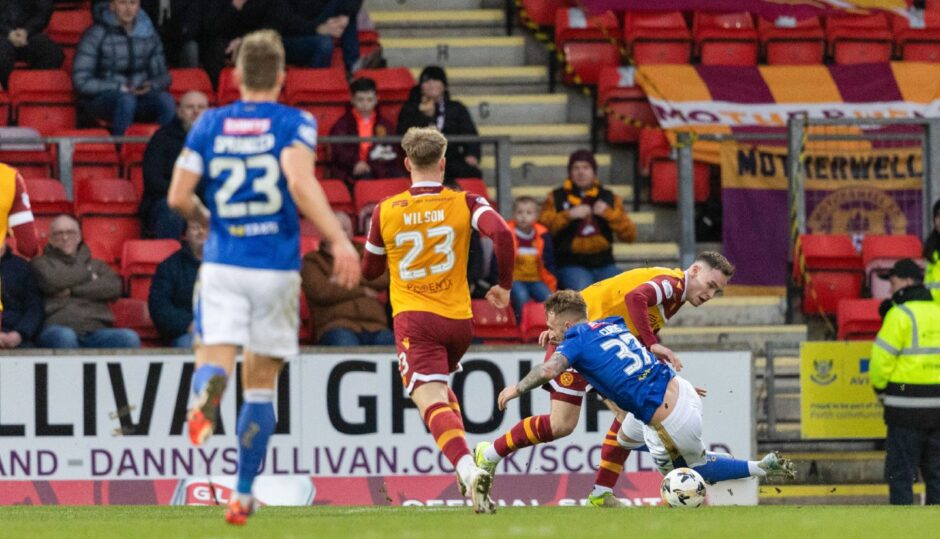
x=77, y=290
x=171, y=292
x=21, y=39
x=159, y=157
x=310, y=26
x=533, y=277
x=932, y=255
x=585, y=219
x=22, y=301
x=364, y=160
x=430, y=105
x=225, y=24
x=179, y=24
x=120, y=71
x=344, y=317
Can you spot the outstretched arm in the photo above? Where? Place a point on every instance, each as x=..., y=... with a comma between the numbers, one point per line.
x=540, y=374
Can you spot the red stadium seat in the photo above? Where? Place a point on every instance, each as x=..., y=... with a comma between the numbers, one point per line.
x=66, y=26
x=321, y=92
x=533, y=321
x=859, y=39
x=542, y=12
x=32, y=160
x=132, y=153
x=788, y=41
x=47, y=196
x=393, y=85
x=338, y=196
x=835, y=270
x=42, y=223
x=92, y=160
x=111, y=231
x=587, y=58
x=664, y=179
x=227, y=91
x=657, y=37
x=618, y=94
x=918, y=44
x=134, y=314
x=858, y=319
x=372, y=191
x=880, y=252
x=309, y=244
x=830, y=252
x=368, y=42
x=492, y=323
x=101, y=250
x=190, y=78
x=42, y=98
x=4, y=108
x=585, y=41
x=105, y=197
x=725, y=38
x=139, y=261
x=477, y=186
x=652, y=144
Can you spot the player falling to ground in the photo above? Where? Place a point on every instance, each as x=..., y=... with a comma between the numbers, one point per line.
x=15, y=214
x=646, y=298
x=423, y=234
x=667, y=408
x=254, y=161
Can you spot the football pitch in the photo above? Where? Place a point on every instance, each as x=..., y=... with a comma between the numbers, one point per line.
x=458, y=523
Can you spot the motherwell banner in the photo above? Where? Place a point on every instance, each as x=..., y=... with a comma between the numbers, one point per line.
x=854, y=190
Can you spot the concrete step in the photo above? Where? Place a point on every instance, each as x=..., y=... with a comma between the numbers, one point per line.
x=755, y=336
x=537, y=169
x=464, y=81
x=787, y=404
x=539, y=192
x=786, y=431
x=420, y=5
x=454, y=51
x=439, y=22
x=496, y=109
x=741, y=310
x=560, y=139
x=832, y=494
x=644, y=254
x=839, y=466
x=784, y=366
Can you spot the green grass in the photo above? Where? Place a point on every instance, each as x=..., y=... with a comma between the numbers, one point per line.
x=459, y=523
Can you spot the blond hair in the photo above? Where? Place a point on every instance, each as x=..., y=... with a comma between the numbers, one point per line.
x=566, y=303
x=260, y=60
x=716, y=261
x=424, y=146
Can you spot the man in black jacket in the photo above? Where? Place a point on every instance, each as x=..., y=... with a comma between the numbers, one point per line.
x=22, y=301
x=430, y=105
x=225, y=23
x=171, y=292
x=310, y=26
x=159, y=156
x=21, y=25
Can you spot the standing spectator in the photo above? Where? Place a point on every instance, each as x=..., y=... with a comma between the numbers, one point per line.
x=159, y=157
x=364, y=160
x=430, y=105
x=310, y=26
x=225, y=24
x=533, y=277
x=344, y=317
x=77, y=290
x=585, y=219
x=22, y=301
x=932, y=254
x=21, y=25
x=905, y=373
x=120, y=71
x=171, y=292
x=178, y=23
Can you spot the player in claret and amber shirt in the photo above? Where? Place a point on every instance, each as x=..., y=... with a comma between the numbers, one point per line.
x=645, y=298
x=423, y=234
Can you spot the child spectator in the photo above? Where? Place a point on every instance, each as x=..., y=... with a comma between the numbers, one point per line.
x=533, y=277
x=364, y=160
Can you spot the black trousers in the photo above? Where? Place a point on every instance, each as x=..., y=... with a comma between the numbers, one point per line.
x=909, y=450
x=39, y=53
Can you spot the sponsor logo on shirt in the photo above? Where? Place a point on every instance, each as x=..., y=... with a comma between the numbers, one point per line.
x=246, y=126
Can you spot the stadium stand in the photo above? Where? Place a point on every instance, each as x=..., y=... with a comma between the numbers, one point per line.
x=835, y=270
x=802, y=42
x=139, y=261
x=725, y=38
x=858, y=319
x=657, y=37
x=858, y=39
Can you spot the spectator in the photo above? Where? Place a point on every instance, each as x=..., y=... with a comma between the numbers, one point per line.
x=159, y=157
x=178, y=23
x=533, y=277
x=344, y=317
x=364, y=160
x=21, y=39
x=22, y=301
x=171, y=292
x=77, y=289
x=905, y=373
x=430, y=105
x=227, y=22
x=585, y=219
x=310, y=26
x=932, y=254
x=120, y=71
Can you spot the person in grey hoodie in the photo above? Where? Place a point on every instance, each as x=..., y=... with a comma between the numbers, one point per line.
x=120, y=70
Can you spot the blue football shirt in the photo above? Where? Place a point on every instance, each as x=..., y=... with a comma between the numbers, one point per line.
x=254, y=222
x=617, y=365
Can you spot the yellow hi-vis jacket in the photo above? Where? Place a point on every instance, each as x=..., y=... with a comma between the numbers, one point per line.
x=932, y=275
x=905, y=364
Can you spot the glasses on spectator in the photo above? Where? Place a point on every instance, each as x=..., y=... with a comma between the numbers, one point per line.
x=65, y=233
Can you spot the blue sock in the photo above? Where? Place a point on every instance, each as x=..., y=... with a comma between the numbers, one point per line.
x=205, y=373
x=722, y=468
x=255, y=425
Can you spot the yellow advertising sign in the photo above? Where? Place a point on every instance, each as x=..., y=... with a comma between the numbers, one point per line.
x=836, y=398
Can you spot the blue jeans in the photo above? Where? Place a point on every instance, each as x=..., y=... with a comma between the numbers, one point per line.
x=122, y=108
x=315, y=50
x=166, y=223
x=65, y=337
x=183, y=341
x=524, y=291
x=348, y=337
x=580, y=277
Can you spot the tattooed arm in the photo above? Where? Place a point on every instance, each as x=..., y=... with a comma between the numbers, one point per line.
x=537, y=376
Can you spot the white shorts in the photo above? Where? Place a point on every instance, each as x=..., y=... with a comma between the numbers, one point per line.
x=254, y=308
x=678, y=437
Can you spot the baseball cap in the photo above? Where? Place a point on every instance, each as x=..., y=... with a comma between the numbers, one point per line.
x=905, y=269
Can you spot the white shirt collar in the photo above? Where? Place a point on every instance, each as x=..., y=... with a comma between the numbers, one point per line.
x=427, y=184
x=685, y=289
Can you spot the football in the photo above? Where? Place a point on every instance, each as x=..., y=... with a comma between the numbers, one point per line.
x=683, y=487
